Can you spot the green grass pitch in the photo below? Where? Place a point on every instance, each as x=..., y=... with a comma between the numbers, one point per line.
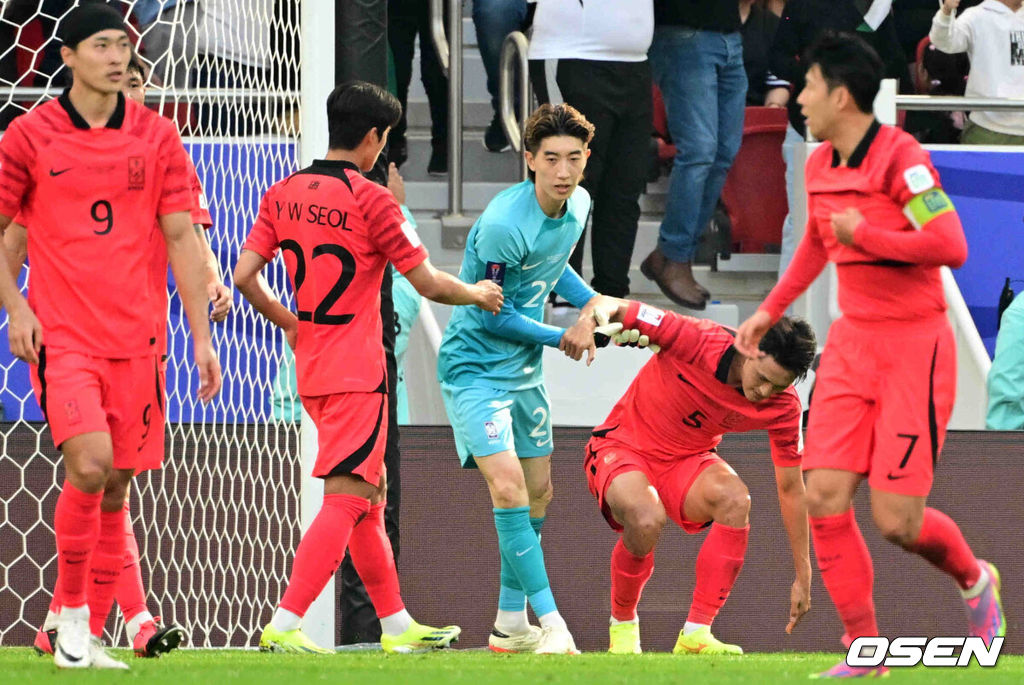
x=470, y=667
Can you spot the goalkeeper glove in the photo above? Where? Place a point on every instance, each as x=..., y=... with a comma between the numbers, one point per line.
x=613, y=332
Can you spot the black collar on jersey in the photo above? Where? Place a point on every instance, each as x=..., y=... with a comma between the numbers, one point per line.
x=861, y=151
x=115, y=121
x=722, y=372
x=335, y=168
x=336, y=164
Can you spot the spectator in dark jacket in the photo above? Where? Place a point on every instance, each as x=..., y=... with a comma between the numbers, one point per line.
x=804, y=20
x=764, y=88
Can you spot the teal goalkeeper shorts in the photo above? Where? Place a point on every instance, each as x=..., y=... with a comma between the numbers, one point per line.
x=488, y=420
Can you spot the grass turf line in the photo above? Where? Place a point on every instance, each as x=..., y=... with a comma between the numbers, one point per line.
x=463, y=667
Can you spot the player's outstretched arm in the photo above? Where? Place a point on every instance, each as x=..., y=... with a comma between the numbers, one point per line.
x=218, y=293
x=808, y=262
x=442, y=287
x=190, y=276
x=249, y=280
x=23, y=328
x=789, y=482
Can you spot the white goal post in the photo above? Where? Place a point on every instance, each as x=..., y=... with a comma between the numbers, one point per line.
x=218, y=525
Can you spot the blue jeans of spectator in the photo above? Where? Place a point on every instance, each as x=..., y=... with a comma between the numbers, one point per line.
x=495, y=19
x=704, y=85
x=788, y=237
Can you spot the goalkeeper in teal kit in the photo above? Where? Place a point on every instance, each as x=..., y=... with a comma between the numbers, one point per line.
x=490, y=365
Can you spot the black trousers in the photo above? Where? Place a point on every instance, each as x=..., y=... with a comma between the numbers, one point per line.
x=616, y=98
x=406, y=20
x=360, y=53
x=358, y=618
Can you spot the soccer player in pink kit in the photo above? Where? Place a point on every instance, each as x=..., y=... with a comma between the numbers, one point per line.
x=95, y=173
x=655, y=458
x=887, y=380
x=337, y=231
x=149, y=638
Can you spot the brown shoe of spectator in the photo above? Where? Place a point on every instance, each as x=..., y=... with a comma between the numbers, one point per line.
x=675, y=280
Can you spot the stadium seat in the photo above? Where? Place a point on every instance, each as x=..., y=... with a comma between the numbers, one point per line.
x=755, y=189
x=666, y=150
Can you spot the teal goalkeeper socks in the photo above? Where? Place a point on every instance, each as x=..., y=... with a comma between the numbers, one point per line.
x=524, y=559
x=511, y=596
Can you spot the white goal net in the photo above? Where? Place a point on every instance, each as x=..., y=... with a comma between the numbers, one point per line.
x=217, y=525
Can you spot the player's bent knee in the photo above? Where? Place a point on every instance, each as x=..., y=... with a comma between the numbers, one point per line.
x=824, y=501
x=897, y=529
x=509, y=492
x=644, y=521
x=88, y=474
x=729, y=500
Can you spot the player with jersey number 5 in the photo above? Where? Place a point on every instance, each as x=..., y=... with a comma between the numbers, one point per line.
x=338, y=231
x=887, y=380
x=95, y=175
x=490, y=367
x=655, y=458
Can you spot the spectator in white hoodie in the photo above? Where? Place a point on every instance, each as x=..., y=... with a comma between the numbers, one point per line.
x=992, y=35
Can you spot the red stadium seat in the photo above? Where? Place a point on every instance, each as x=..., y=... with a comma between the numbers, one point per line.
x=666, y=150
x=755, y=189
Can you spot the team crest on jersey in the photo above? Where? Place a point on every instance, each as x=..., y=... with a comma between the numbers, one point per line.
x=71, y=412
x=136, y=173
x=491, y=429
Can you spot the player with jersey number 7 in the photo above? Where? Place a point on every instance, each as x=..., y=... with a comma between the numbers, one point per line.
x=337, y=232
x=887, y=381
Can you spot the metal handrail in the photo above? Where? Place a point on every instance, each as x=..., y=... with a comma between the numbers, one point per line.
x=158, y=95
x=515, y=47
x=441, y=47
x=945, y=103
x=449, y=52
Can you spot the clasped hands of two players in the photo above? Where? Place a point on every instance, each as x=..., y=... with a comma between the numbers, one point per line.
x=590, y=333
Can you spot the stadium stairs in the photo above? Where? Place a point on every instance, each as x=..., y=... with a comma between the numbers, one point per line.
x=737, y=285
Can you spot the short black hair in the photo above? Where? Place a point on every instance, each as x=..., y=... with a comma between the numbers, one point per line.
x=846, y=60
x=354, y=109
x=792, y=344
x=555, y=120
x=135, y=65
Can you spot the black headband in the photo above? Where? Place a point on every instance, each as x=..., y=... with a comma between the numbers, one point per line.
x=87, y=19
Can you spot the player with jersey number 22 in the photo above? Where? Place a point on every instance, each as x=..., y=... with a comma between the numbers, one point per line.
x=337, y=232
x=887, y=380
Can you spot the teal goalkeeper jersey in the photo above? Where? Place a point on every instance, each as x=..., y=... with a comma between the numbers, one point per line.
x=525, y=251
